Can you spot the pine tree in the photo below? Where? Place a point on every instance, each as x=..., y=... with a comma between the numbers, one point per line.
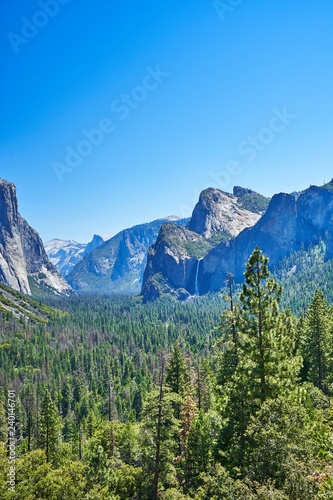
x=138, y=402
x=229, y=339
x=111, y=397
x=49, y=425
x=66, y=399
x=267, y=367
x=161, y=429
x=90, y=423
x=316, y=344
x=188, y=414
x=200, y=447
x=205, y=384
x=78, y=389
x=176, y=371
x=266, y=336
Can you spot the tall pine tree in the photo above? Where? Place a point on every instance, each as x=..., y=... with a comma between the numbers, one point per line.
x=176, y=373
x=160, y=429
x=49, y=424
x=316, y=345
x=266, y=335
x=266, y=365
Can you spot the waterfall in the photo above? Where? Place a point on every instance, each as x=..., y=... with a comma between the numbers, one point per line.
x=196, y=283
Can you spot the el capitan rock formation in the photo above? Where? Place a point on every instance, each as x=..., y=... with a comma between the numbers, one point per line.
x=22, y=254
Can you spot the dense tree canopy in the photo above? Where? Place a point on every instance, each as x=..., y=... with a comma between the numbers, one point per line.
x=198, y=400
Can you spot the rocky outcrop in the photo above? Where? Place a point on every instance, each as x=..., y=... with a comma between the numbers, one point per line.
x=291, y=222
x=96, y=242
x=118, y=264
x=250, y=200
x=177, y=251
x=175, y=260
x=22, y=254
x=219, y=212
x=12, y=262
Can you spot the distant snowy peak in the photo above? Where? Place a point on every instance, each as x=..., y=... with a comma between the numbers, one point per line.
x=65, y=254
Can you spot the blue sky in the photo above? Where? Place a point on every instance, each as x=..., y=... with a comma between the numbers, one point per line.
x=185, y=95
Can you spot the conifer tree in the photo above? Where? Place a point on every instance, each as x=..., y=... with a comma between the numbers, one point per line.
x=200, y=447
x=205, y=385
x=161, y=429
x=317, y=343
x=49, y=427
x=229, y=339
x=138, y=402
x=266, y=335
x=267, y=367
x=66, y=399
x=176, y=371
x=90, y=423
x=188, y=414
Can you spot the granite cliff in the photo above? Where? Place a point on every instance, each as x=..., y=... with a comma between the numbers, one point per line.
x=22, y=254
x=96, y=242
x=292, y=221
x=220, y=212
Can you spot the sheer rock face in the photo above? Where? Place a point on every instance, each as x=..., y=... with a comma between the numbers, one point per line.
x=174, y=261
x=219, y=212
x=290, y=222
x=170, y=268
x=12, y=262
x=22, y=252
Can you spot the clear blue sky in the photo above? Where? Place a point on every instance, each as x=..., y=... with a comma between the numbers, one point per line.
x=226, y=75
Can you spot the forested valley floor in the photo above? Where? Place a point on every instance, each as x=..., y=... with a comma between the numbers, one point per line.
x=226, y=396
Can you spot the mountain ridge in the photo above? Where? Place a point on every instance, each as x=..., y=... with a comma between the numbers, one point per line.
x=290, y=222
x=65, y=254
x=118, y=264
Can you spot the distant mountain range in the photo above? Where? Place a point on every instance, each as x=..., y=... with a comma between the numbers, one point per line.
x=117, y=266
x=64, y=255
x=105, y=265
x=179, y=257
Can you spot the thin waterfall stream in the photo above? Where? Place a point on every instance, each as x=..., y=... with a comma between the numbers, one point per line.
x=196, y=284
